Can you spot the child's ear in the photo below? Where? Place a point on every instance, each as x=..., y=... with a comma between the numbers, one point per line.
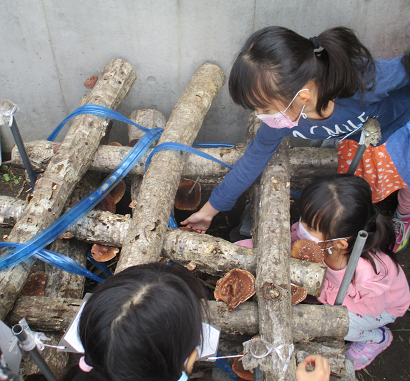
x=341, y=244
x=190, y=361
x=305, y=95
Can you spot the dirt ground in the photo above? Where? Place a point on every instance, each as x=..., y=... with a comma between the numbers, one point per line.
x=392, y=364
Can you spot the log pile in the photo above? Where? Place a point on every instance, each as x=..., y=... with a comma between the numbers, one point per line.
x=145, y=237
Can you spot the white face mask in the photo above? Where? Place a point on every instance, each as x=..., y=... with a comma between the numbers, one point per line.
x=302, y=233
x=280, y=119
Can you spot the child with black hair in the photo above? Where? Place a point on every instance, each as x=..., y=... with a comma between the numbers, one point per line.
x=322, y=87
x=332, y=212
x=144, y=324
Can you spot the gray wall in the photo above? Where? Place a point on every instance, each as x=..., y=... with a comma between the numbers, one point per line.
x=49, y=47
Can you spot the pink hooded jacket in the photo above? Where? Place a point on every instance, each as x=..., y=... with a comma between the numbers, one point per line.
x=370, y=294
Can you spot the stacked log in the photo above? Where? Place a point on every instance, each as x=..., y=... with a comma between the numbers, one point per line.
x=65, y=170
x=208, y=254
x=146, y=234
x=145, y=237
x=305, y=162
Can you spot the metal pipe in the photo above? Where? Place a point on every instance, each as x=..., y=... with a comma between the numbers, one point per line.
x=257, y=374
x=26, y=162
x=28, y=344
x=356, y=159
x=351, y=266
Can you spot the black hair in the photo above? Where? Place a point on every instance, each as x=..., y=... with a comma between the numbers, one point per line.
x=275, y=63
x=142, y=324
x=339, y=207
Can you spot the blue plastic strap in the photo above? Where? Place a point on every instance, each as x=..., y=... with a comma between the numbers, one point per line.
x=62, y=224
x=60, y=261
x=172, y=221
x=183, y=147
x=94, y=110
x=225, y=367
x=100, y=265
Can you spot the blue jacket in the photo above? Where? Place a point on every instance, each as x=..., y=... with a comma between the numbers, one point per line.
x=388, y=102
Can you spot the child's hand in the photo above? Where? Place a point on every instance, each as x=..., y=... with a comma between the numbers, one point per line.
x=321, y=372
x=201, y=220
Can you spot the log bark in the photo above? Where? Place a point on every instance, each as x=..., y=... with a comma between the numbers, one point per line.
x=146, y=234
x=150, y=119
x=332, y=349
x=304, y=161
x=273, y=247
x=209, y=254
x=66, y=168
x=308, y=322
x=61, y=284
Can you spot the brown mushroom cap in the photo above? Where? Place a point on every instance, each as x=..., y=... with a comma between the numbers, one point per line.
x=237, y=367
x=35, y=285
x=89, y=83
x=132, y=142
x=305, y=249
x=115, y=144
x=103, y=253
x=188, y=195
x=107, y=204
x=118, y=192
x=235, y=287
x=298, y=294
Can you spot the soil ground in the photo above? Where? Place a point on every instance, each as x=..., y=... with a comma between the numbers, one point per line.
x=392, y=365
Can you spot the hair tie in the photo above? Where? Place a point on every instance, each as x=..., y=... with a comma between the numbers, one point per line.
x=84, y=366
x=316, y=46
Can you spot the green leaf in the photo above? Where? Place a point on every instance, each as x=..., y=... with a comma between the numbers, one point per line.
x=16, y=181
x=6, y=177
x=4, y=166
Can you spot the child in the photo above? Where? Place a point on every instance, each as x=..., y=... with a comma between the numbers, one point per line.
x=319, y=88
x=145, y=323
x=332, y=211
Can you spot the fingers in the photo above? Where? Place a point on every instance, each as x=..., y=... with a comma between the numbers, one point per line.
x=321, y=372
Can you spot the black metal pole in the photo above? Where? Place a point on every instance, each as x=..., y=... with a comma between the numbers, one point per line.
x=257, y=374
x=26, y=162
x=28, y=345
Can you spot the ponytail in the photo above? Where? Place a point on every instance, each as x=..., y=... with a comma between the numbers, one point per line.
x=381, y=237
x=275, y=63
x=347, y=66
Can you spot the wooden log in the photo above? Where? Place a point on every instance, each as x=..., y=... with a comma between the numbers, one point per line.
x=308, y=322
x=332, y=349
x=150, y=119
x=146, y=234
x=312, y=161
x=66, y=168
x=61, y=283
x=305, y=162
x=208, y=254
x=272, y=273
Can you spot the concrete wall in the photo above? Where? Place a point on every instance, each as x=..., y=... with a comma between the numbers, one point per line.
x=49, y=47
